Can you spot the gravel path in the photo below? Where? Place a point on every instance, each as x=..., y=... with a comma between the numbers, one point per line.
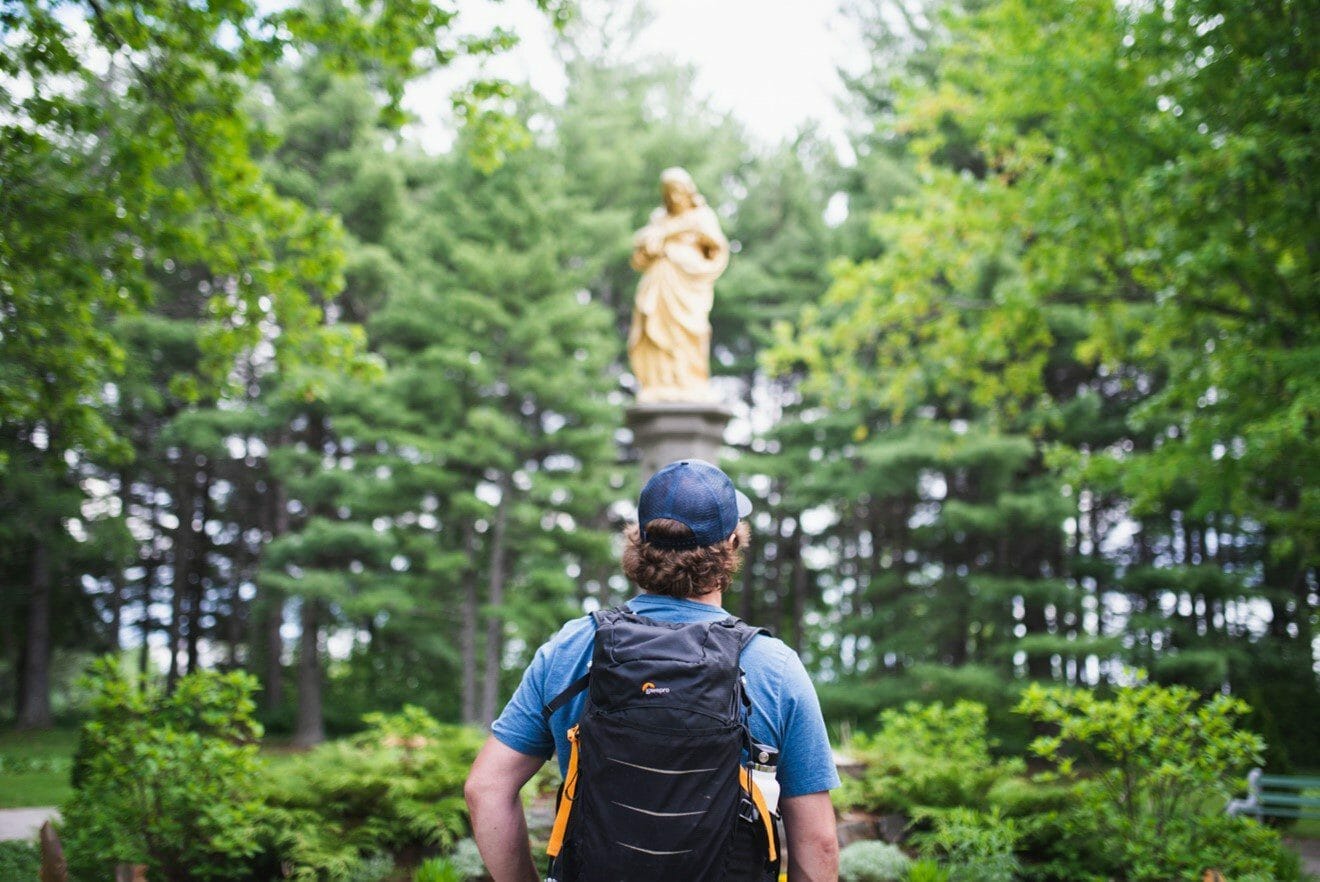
x=23, y=823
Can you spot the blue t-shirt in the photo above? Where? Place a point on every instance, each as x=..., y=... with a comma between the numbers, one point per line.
x=785, y=711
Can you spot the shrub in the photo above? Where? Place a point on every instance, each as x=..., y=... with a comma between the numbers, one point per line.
x=933, y=756
x=1022, y=797
x=19, y=862
x=872, y=862
x=395, y=786
x=1153, y=767
x=437, y=870
x=926, y=870
x=166, y=780
x=975, y=846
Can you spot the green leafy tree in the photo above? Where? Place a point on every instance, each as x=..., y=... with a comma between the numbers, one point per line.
x=1102, y=259
x=137, y=181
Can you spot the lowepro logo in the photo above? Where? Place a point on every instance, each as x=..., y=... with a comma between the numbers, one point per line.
x=649, y=688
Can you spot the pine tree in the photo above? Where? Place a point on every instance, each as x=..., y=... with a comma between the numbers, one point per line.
x=500, y=370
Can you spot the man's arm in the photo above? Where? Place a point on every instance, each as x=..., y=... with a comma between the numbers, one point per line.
x=813, y=841
x=498, y=822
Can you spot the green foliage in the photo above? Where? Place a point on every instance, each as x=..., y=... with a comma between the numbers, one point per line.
x=437, y=870
x=1153, y=767
x=870, y=861
x=974, y=846
x=1022, y=797
x=926, y=870
x=19, y=861
x=1070, y=269
x=396, y=785
x=933, y=755
x=166, y=780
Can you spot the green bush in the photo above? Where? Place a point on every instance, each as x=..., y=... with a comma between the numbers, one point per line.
x=926, y=870
x=871, y=861
x=925, y=756
x=437, y=870
x=1022, y=797
x=1152, y=768
x=19, y=862
x=166, y=780
x=398, y=785
x=974, y=846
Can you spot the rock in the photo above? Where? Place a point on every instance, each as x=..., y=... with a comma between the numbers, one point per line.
x=856, y=827
x=892, y=828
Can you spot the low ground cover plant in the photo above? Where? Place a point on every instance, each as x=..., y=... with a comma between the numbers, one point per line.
x=19, y=862
x=397, y=786
x=873, y=862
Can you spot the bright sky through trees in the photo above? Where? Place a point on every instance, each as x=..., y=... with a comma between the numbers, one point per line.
x=772, y=62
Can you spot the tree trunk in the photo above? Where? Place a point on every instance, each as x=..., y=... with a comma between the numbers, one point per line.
x=181, y=564
x=746, y=608
x=117, y=586
x=490, y=686
x=196, y=571
x=197, y=564
x=34, y=708
x=272, y=679
x=148, y=580
x=468, y=636
x=799, y=589
x=310, y=729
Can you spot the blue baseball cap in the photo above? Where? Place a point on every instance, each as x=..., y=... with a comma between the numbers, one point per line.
x=694, y=493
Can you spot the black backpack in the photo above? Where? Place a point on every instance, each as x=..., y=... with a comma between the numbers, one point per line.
x=656, y=788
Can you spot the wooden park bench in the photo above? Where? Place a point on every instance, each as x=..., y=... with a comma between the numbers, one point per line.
x=1278, y=796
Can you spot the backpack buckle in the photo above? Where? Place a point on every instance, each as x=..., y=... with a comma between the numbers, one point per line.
x=748, y=812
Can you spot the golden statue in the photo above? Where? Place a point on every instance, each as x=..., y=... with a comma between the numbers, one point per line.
x=680, y=253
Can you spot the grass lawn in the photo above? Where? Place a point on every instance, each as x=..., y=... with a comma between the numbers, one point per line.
x=34, y=767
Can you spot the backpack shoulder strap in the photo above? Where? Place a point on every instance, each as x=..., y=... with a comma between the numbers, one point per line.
x=574, y=689
x=745, y=631
x=578, y=686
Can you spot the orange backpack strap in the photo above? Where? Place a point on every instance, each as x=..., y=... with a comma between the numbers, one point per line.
x=758, y=799
x=566, y=801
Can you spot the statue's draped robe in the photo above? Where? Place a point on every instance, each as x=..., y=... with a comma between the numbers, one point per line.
x=669, y=342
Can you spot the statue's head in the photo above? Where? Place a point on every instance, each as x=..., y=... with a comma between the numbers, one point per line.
x=679, y=190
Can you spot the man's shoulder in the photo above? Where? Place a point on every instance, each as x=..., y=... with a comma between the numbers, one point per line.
x=572, y=633
x=768, y=655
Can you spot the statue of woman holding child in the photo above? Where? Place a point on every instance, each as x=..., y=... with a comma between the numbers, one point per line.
x=680, y=252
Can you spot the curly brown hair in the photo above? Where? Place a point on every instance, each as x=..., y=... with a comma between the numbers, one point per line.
x=682, y=573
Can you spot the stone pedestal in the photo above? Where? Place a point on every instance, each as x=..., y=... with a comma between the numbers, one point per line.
x=668, y=431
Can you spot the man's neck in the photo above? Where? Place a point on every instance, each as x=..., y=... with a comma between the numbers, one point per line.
x=713, y=598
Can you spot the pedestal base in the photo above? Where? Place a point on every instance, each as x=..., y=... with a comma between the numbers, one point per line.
x=667, y=431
